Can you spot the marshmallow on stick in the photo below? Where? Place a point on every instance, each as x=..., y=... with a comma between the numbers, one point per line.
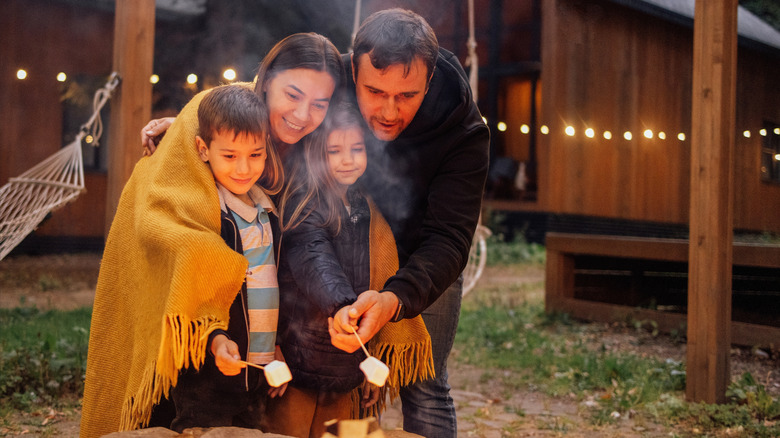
x=376, y=372
x=276, y=372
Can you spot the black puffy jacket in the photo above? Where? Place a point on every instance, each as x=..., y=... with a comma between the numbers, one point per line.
x=319, y=273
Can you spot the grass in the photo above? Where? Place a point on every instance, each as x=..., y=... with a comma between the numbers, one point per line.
x=503, y=330
x=42, y=356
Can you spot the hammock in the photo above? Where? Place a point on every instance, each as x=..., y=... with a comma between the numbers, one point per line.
x=27, y=199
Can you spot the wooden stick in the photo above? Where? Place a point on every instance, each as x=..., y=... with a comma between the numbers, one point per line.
x=361, y=341
x=252, y=364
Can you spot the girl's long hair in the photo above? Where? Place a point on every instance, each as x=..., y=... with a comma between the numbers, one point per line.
x=310, y=182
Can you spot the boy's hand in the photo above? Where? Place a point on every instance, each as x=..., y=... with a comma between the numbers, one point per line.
x=279, y=391
x=226, y=355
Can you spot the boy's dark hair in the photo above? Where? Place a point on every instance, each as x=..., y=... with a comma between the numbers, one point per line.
x=231, y=108
x=395, y=36
x=238, y=110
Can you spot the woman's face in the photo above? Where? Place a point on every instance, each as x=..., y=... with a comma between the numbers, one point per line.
x=297, y=101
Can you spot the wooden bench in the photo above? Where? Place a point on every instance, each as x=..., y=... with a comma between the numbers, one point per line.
x=618, y=278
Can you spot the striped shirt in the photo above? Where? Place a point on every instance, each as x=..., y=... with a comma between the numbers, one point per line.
x=262, y=287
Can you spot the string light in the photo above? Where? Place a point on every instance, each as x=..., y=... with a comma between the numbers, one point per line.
x=154, y=79
x=681, y=136
x=61, y=77
x=628, y=136
x=501, y=126
x=570, y=131
x=746, y=134
x=590, y=133
x=607, y=135
x=229, y=74
x=662, y=135
x=777, y=131
x=21, y=74
x=648, y=133
x=192, y=78
x=525, y=129
x=762, y=132
x=544, y=129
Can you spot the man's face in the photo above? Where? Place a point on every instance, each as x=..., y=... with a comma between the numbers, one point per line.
x=388, y=100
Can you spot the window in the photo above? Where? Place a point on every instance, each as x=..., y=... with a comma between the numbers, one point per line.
x=770, y=153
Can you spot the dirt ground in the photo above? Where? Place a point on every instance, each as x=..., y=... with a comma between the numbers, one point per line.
x=68, y=282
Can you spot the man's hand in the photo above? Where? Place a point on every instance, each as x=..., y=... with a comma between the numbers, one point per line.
x=153, y=132
x=368, y=315
x=226, y=355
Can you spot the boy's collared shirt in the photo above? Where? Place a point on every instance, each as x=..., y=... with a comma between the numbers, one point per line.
x=262, y=287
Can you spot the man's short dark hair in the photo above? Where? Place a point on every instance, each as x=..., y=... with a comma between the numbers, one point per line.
x=396, y=36
x=231, y=108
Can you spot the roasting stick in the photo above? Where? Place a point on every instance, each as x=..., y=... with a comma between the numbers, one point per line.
x=252, y=364
x=361, y=341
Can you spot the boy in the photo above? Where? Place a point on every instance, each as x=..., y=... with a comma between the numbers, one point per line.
x=232, y=138
x=168, y=319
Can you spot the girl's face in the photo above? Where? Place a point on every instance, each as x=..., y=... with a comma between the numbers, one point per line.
x=346, y=151
x=297, y=101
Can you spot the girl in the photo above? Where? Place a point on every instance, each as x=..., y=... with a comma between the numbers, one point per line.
x=334, y=246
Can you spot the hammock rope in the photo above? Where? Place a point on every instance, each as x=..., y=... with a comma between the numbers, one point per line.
x=27, y=199
x=478, y=251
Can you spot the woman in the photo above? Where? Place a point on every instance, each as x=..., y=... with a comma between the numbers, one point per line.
x=297, y=79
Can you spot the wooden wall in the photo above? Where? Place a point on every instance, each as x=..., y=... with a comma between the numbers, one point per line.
x=608, y=67
x=46, y=38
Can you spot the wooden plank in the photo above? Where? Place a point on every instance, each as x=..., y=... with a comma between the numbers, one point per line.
x=559, y=278
x=676, y=250
x=741, y=333
x=131, y=105
x=711, y=209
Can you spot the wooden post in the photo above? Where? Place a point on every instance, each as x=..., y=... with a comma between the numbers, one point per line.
x=131, y=105
x=711, y=213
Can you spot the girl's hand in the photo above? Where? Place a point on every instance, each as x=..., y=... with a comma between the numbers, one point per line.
x=226, y=355
x=370, y=394
x=153, y=132
x=279, y=391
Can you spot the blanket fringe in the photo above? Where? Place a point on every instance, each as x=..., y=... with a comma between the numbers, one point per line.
x=183, y=344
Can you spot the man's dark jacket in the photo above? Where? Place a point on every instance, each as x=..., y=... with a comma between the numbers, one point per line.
x=428, y=184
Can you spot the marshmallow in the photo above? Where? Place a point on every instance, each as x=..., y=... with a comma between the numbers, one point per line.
x=277, y=373
x=376, y=372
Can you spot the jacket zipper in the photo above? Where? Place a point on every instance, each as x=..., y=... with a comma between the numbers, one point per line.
x=243, y=305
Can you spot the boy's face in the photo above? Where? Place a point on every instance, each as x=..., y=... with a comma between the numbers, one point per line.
x=388, y=100
x=237, y=161
x=347, y=159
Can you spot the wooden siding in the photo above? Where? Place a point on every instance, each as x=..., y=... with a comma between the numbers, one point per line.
x=40, y=37
x=612, y=68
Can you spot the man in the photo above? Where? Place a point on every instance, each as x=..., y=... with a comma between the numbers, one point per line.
x=426, y=172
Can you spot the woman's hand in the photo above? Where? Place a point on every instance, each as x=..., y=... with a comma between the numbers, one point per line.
x=226, y=355
x=279, y=391
x=153, y=132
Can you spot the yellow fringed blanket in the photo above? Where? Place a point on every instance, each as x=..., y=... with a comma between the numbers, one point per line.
x=404, y=346
x=167, y=279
